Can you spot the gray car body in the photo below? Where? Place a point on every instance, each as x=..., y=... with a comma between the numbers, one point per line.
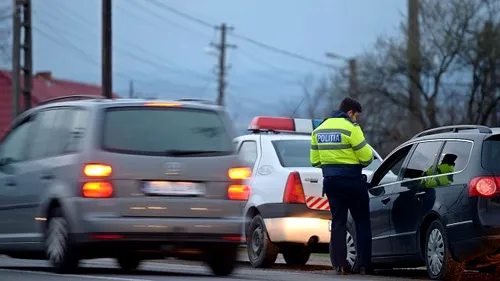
x=29, y=189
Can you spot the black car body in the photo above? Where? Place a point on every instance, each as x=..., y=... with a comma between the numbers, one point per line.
x=442, y=216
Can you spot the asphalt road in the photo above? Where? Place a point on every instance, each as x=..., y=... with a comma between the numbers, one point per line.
x=106, y=270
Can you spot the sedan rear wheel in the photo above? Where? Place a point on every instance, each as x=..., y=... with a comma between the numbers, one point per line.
x=351, y=250
x=262, y=253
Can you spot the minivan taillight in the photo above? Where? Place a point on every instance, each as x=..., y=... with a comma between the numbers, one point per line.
x=94, y=189
x=99, y=186
x=237, y=189
x=294, y=191
x=97, y=170
x=484, y=187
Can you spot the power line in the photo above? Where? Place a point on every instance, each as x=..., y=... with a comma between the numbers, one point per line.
x=74, y=47
x=250, y=40
x=156, y=58
x=182, y=14
x=162, y=18
x=280, y=51
x=272, y=66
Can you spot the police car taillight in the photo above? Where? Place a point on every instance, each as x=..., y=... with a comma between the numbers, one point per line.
x=237, y=189
x=298, y=125
x=294, y=191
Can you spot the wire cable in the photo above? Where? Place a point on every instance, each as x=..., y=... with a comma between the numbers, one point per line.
x=181, y=14
x=156, y=58
x=236, y=35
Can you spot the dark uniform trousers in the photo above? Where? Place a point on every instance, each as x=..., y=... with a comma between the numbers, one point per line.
x=346, y=194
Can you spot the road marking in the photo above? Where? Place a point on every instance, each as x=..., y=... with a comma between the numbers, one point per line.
x=75, y=276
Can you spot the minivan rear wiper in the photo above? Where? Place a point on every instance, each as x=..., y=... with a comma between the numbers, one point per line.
x=177, y=152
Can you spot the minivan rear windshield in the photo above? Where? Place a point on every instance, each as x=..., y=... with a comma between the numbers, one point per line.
x=295, y=153
x=165, y=131
x=491, y=155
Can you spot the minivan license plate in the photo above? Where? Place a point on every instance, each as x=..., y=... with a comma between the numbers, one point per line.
x=168, y=188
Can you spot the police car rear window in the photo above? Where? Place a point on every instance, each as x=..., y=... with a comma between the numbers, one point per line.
x=165, y=131
x=293, y=153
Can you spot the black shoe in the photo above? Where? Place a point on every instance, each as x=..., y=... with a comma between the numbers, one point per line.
x=340, y=270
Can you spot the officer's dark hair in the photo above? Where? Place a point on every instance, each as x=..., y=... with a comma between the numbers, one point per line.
x=348, y=104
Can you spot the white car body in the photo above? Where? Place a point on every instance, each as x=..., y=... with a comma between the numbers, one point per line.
x=287, y=223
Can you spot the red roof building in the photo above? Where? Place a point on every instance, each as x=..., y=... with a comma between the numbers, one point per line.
x=44, y=87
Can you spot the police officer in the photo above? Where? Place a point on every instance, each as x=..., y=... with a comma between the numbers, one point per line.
x=447, y=166
x=339, y=148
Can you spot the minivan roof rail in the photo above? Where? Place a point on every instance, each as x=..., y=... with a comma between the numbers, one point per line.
x=455, y=129
x=71, y=97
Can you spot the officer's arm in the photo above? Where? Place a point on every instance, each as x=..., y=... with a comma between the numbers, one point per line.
x=314, y=155
x=361, y=148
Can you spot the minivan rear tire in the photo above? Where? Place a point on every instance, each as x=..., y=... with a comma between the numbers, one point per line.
x=437, y=249
x=268, y=251
x=58, y=244
x=222, y=259
x=128, y=262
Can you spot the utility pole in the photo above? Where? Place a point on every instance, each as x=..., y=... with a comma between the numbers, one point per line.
x=222, y=47
x=28, y=54
x=353, y=74
x=107, y=46
x=413, y=56
x=21, y=41
x=16, y=58
x=131, y=89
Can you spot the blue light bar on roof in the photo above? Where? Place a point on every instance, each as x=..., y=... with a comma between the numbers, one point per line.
x=316, y=123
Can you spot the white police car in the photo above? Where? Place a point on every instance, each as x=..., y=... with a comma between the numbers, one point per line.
x=286, y=211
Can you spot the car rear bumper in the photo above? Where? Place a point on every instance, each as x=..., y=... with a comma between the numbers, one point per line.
x=151, y=246
x=295, y=223
x=155, y=237
x=473, y=242
x=163, y=226
x=479, y=248
x=298, y=230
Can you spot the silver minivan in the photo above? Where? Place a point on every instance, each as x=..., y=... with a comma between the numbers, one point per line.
x=126, y=179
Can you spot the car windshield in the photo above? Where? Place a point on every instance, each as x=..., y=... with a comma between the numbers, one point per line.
x=295, y=153
x=165, y=131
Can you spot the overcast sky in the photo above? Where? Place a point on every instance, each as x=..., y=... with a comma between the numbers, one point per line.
x=154, y=46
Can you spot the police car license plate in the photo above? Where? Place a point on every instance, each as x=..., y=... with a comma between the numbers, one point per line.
x=330, y=225
x=169, y=188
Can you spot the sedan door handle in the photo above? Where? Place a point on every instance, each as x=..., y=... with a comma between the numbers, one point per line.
x=421, y=194
x=386, y=200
